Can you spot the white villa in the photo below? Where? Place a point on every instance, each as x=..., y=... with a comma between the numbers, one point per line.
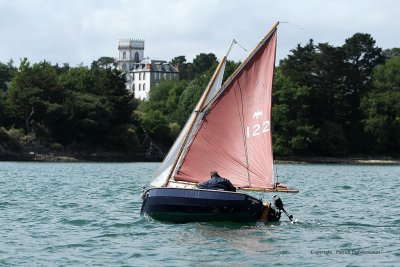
x=142, y=73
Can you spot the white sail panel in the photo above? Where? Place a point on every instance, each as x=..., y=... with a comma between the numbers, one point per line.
x=217, y=83
x=159, y=181
x=165, y=167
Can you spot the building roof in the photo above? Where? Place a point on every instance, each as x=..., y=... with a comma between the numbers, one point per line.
x=147, y=64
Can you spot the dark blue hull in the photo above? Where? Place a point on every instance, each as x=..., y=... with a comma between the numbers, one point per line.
x=196, y=205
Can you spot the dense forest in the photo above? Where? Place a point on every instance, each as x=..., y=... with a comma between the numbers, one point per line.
x=327, y=101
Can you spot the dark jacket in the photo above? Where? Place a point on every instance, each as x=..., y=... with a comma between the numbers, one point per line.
x=217, y=183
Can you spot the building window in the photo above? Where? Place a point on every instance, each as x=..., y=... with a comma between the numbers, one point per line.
x=140, y=87
x=144, y=87
x=124, y=55
x=136, y=57
x=144, y=76
x=124, y=67
x=133, y=87
x=140, y=76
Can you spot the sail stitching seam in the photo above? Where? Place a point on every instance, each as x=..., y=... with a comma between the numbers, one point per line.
x=241, y=116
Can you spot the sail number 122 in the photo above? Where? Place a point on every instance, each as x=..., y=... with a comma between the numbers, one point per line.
x=258, y=129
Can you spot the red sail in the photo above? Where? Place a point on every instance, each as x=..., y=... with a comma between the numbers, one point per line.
x=234, y=137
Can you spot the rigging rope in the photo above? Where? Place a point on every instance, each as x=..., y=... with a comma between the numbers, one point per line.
x=240, y=45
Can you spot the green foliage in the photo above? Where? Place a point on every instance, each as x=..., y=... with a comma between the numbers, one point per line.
x=13, y=134
x=337, y=77
x=382, y=120
x=33, y=89
x=293, y=133
x=87, y=107
x=203, y=62
x=171, y=102
x=165, y=98
x=57, y=146
x=106, y=62
x=6, y=73
x=156, y=125
x=77, y=79
x=327, y=100
x=230, y=68
x=361, y=56
x=158, y=97
x=387, y=76
x=185, y=69
x=10, y=139
x=331, y=140
x=88, y=119
x=174, y=130
x=381, y=108
x=299, y=66
x=391, y=53
x=161, y=116
x=5, y=111
x=124, y=137
x=189, y=98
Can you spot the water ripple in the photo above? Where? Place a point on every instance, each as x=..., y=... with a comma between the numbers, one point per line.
x=85, y=214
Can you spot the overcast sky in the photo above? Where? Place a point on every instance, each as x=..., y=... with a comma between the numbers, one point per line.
x=80, y=31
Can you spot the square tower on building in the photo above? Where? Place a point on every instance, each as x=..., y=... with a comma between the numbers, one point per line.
x=130, y=51
x=142, y=73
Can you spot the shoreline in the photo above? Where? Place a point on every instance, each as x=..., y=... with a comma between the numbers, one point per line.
x=117, y=157
x=333, y=160
x=77, y=157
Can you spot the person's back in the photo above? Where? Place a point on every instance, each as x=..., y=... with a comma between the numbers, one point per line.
x=217, y=183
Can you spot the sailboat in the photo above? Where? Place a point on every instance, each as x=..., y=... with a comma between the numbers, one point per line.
x=229, y=131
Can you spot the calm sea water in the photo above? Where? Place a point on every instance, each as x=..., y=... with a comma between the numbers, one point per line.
x=86, y=214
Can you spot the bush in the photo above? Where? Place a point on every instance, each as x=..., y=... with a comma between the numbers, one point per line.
x=10, y=139
x=57, y=146
x=174, y=130
x=14, y=134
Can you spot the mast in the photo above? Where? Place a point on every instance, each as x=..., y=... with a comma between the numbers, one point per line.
x=197, y=112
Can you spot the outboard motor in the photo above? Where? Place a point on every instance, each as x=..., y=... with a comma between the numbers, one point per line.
x=279, y=204
x=274, y=215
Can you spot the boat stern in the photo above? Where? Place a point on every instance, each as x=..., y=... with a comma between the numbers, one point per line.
x=270, y=213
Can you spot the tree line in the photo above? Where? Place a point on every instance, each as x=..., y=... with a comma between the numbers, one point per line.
x=327, y=101
x=79, y=108
x=338, y=101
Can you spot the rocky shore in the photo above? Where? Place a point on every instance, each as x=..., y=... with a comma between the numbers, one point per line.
x=121, y=157
x=77, y=157
x=39, y=150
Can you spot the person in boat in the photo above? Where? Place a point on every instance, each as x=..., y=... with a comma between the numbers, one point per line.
x=217, y=182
